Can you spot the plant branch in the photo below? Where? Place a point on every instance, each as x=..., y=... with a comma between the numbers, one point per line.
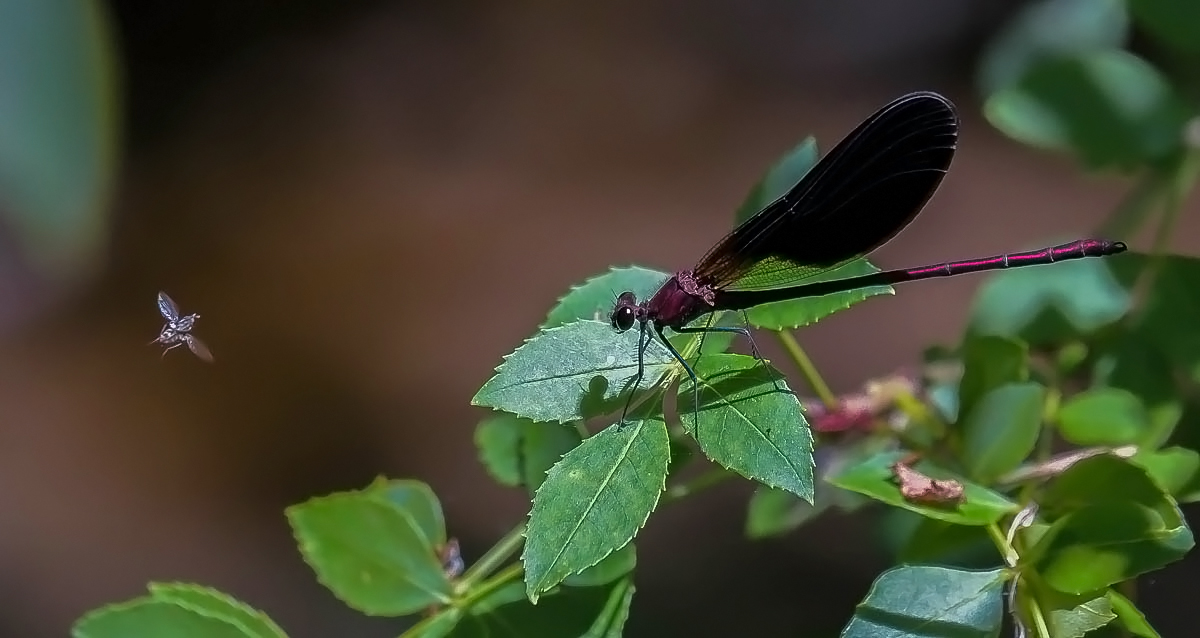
x=709, y=479
x=486, y=589
x=493, y=558
x=807, y=369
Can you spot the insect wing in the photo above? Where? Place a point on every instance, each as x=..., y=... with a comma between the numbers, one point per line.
x=197, y=347
x=859, y=196
x=167, y=307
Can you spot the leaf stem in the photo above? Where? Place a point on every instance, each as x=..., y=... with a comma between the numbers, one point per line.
x=1039, y=620
x=1002, y=544
x=1132, y=211
x=709, y=479
x=808, y=369
x=1183, y=177
x=492, y=584
x=1172, y=206
x=493, y=558
x=472, y=597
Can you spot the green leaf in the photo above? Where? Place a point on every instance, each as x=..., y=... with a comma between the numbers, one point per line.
x=498, y=439
x=773, y=512
x=931, y=602
x=517, y=451
x=934, y=541
x=1075, y=616
x=568, y=611
x=611, y=621
x=1113, y=523
x=612, y=567
x=1175, y=23
x=594, y=501
x=1170, y=311
x=1104, y=478
x=1132, y=363
x=1050, y=28
x=750, y=422
x=1175, y=469
x=369, y=553
x=541, y=447
x=795, y=313
x=1049, y=304
x=988, y=363
x=1099, y=545
x=553, y=374
x=1002, y=429
x=1112, y=108
x=442, y=623
x=874, y=478
x=779, y=179
x=1103, y=416
x=210, y=602
x=161, y=619
x=417, y=503
x=60, y=120
x=594, y=298
x=1130, y=617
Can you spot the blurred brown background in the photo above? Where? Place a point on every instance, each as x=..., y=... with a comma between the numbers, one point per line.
x=371, y=202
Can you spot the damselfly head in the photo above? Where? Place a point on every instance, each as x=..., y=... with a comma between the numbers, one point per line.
x=624, y=312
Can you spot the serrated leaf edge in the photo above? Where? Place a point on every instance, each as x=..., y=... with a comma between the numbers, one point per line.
x=304, y=546
x=804, y=424
x=140, y=601
x=666, y=378
x=590, y=280
x=162, y=591
x=383, y=483
x=846, y=306
x=532, y=595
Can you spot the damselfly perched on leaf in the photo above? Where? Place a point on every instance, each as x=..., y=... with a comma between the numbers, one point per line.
x=859, y=196
x=178, y=329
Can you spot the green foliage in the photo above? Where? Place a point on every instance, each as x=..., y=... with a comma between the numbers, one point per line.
x=1035, y=468
x=178, y=610
x=749, y=422
x=921, y=600
x=1001, y=430
x=874, y=478
x=594, y=501
x=377, y=555
x=60, y=117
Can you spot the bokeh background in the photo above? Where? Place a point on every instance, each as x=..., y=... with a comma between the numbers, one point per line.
x=370, y=202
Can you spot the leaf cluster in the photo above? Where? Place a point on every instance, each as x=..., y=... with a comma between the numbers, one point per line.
x=1064, y=416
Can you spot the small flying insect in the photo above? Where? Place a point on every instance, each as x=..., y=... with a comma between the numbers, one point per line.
x=178, y=329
